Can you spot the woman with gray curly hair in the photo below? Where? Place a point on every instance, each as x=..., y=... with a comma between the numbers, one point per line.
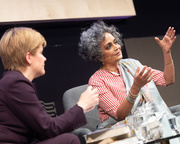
x=124, y=84
x=90, y=48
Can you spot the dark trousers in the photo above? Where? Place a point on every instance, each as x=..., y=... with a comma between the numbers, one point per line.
x=66, y=138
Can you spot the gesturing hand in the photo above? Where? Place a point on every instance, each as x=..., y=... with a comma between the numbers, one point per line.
x=141, y=78
x=167, y=40
x=88, y=99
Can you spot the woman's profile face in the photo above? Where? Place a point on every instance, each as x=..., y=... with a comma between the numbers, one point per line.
x=38, y=62
x=111, y=50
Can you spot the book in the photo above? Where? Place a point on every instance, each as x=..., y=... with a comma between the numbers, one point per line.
x=113, y=133
x=131, y=140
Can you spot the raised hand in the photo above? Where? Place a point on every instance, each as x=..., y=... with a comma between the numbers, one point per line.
x=140, y=79
x=88, y=99
x=167, y=40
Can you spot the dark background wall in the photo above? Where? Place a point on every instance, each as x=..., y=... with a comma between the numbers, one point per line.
x=65, y=69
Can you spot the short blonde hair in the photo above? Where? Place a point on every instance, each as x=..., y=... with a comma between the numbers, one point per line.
x=16, y=43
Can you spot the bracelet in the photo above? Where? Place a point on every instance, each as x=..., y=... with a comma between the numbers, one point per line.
x=169, y=63
x=131, y=98
x=132, y=94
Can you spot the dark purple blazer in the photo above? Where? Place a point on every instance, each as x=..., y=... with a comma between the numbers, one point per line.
x=22, y=115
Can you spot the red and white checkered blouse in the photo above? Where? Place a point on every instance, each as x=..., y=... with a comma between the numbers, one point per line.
x=112, y=90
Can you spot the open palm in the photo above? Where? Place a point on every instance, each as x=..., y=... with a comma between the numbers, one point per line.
x=168, y=40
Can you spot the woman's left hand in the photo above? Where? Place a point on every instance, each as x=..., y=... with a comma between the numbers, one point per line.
x=167, y=40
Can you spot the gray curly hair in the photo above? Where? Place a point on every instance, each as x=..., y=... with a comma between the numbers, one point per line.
x=90, y=40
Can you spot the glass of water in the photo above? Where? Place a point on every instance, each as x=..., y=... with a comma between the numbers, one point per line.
x=173, y=125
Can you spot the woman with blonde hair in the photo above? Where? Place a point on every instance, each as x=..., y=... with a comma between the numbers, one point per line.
x=23, y=118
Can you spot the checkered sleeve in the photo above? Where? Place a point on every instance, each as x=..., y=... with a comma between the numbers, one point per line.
x=108, y=103
x=158, y=77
